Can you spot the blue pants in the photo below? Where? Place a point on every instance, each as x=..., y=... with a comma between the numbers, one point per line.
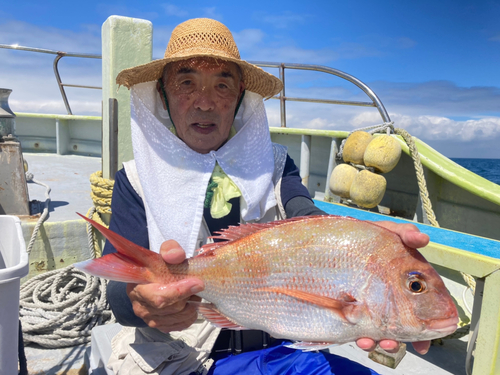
x=279, y=360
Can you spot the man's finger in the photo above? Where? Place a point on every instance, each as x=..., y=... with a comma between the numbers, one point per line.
x=366, y=344
x=172, y=252
x=421, y=347
x=160, y=296
x=390, y=346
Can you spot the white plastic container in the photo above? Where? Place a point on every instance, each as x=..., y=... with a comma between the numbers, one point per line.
x=13, y=266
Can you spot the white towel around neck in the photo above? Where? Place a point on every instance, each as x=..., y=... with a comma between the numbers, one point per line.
x=174, y=178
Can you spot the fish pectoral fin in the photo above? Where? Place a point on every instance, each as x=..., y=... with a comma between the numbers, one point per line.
x=343, y=307
x=309, y=346
x=210, y=313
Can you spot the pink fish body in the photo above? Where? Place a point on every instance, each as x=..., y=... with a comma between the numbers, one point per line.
x=316, y=279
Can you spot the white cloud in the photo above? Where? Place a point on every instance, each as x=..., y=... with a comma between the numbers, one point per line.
x=436, y=111
x=437, y=127
x=30, y=75
x=88, y=40
x=210, y=12
x=248, y=39
x=495, y=38
x=439, y=98
x=282, y=21
x=174, y=10
x=107, y=10
x=405, y=42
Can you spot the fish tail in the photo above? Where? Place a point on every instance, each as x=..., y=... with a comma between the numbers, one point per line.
x=114, y=267
x=131, y=263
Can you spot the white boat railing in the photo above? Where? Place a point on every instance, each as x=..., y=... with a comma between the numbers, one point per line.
x=59, y=56
x=375, y=100
x=305, y=151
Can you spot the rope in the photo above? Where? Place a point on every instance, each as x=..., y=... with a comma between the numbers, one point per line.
x=59, y=308
x=94, y=244
x=101, y=192
x=45, y=213
x=424, y=194
x=419, y=170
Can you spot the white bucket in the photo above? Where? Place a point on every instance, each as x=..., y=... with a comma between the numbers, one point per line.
x=13, y=266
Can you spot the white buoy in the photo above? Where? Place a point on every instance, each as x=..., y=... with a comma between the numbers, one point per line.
x=354, y=147
x=341, y=179
x=367, y=189
x=382, y=153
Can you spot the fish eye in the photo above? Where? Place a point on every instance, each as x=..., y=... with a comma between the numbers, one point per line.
x=415, y=283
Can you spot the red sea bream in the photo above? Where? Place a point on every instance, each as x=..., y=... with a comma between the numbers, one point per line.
x=316, y=280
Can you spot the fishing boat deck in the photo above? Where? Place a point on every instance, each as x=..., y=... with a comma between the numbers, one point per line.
x=68, y=177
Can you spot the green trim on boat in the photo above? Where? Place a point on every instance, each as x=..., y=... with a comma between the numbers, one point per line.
x=456, y=174
x=57, y=117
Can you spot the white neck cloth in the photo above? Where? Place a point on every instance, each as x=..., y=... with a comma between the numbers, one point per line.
x=174, y=178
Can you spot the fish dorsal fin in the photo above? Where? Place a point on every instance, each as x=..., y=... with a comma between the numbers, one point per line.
x=342, y=306
x=234, y=233
x=210, y=313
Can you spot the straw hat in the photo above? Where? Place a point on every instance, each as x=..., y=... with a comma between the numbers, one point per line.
x=202, y=37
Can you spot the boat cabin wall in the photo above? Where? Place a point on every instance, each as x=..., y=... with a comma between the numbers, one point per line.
x=61, y=134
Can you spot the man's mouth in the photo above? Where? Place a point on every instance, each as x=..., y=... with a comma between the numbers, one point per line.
x=204, y=124
x=204, y=127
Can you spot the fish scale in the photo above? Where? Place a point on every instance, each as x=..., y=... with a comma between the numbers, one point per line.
x=312, y=279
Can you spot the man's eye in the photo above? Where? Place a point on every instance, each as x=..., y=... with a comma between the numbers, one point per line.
x=186, y=82
x=223, y=86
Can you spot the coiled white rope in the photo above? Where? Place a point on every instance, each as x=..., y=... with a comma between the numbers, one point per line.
x=59, y=308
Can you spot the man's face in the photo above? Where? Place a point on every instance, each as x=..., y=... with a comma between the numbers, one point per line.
x=202, y=95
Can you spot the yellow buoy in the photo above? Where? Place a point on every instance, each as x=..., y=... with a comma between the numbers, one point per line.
x=382, y=153
x=355, y=146
x=341, y=179
x=367, y=189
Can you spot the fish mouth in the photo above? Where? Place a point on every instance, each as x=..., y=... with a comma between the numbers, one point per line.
x=448, y=325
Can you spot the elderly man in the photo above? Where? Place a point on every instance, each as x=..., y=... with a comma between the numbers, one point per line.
x=203, y=160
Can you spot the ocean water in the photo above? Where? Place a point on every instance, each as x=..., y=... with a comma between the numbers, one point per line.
x=487, y=168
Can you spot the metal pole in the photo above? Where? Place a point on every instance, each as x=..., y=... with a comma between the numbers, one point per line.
x=282, y=97
x=113, y=137
x=59, y=56
x=332, y=163
x=305, y=157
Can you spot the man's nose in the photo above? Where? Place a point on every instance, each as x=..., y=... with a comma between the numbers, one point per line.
x=205, y=99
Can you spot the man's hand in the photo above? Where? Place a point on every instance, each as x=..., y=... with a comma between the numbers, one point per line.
x=411, y=237
x=163, y=306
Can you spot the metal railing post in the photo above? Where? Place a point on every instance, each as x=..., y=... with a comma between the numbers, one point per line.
x=305, y=158
x=113, y=137
x=332, y=163
x=282, y=97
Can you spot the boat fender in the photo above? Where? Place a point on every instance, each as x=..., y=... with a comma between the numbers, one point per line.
x=341, y=180
x=355, y=145
x=382, y=153
x=367, y=189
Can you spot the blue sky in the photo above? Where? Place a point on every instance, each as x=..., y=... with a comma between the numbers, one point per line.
x=434, y=64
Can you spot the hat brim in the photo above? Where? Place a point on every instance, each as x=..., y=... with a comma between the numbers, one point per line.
x=256, y=79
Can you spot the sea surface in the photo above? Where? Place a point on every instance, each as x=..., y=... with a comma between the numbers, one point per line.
x=487, y=168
